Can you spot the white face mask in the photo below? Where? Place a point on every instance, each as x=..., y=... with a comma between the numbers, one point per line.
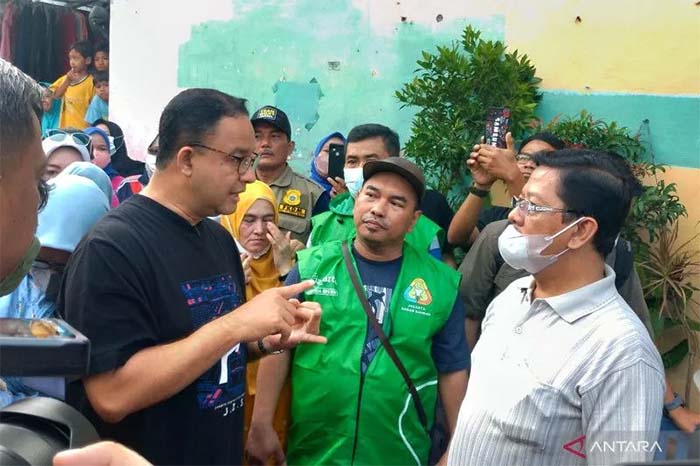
x=353, y=180
x=524, y=252
x=150, y=164
x=112, y=145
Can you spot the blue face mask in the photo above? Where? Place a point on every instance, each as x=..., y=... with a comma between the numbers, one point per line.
x=353, y=180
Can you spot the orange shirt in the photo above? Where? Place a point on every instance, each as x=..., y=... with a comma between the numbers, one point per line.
x=75, y=102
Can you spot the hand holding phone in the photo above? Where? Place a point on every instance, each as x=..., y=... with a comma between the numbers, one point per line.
x=336, y=160
x=497, y=122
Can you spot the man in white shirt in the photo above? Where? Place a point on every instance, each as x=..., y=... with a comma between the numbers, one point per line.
x=564, y=372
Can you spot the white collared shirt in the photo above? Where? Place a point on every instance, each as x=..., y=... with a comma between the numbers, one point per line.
x=547, y=372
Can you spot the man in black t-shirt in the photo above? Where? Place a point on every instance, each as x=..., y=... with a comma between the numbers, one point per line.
x=153, y=287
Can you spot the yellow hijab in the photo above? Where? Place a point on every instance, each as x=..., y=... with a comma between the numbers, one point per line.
x=264, y=273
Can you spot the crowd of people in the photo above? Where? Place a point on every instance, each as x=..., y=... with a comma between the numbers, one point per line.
x=240, y=312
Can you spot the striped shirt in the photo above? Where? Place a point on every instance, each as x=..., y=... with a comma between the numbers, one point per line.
x=573, y=379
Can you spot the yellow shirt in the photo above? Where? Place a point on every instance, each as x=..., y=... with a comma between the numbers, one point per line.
x=75, y=102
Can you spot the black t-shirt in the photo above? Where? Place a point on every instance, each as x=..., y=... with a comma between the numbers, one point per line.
x=492, y=214
x=436, y=208
x=143, y=277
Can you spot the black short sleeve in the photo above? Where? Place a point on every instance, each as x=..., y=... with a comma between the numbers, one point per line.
x=101, y=295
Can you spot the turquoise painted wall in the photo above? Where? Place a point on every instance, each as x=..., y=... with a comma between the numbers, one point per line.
x=674, y=121
x=321, y=62
x=326, y=66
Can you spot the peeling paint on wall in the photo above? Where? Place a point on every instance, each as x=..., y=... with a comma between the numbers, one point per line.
x=357, y=66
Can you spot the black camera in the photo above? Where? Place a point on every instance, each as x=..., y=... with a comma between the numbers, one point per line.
x=34, y=429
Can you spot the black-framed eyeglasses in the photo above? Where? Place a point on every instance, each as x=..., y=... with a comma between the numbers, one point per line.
x=528, y=207
x=245, y=163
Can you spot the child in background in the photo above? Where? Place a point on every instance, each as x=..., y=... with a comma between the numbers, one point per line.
x=101, y=60
x=76, y=87
x=99, y=107
x=52, y=110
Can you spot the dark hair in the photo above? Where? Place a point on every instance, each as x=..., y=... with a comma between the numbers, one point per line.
x=190, y=116
x=100, y=76
x=84, y=48
x=373, y=130
x=102, y=46
x=594, y=184
x=20, y=103
x=544, y=136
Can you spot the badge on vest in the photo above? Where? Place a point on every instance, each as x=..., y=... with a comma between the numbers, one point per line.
x=419, y=296
x=290, y=204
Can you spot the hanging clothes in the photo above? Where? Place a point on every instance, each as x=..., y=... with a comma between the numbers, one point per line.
x=9, y=19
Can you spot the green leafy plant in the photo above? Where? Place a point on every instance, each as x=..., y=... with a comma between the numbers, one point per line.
x=454, y=88
x=668, y=273
x=656, y=210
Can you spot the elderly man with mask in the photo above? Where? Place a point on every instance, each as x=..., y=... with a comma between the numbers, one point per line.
x=563, y=364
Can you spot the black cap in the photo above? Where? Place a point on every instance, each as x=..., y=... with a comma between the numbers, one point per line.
x=273, y=116
x=402, y=167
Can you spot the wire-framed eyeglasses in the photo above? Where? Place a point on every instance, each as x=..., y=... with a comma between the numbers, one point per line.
x=528, y=207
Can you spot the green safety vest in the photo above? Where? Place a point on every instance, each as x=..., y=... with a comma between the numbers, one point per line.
x=339, y=416
x=338, y=224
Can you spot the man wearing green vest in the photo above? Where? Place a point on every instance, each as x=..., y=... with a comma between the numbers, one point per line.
x=366, y=143
x=350, y=402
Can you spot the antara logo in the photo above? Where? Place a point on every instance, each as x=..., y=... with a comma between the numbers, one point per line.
x=578, y=447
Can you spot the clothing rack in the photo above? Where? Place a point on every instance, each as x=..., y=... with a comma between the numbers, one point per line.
x=64, y=4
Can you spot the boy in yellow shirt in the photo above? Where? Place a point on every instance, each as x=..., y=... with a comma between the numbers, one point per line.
x=76, y=87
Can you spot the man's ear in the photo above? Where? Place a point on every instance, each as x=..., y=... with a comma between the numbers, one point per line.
x=584, y=232
x=416, y=216
x=290, y=148
x=183, y=159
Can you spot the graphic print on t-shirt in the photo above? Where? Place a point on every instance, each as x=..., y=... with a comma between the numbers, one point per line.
x=379, y=298
x=222, y=387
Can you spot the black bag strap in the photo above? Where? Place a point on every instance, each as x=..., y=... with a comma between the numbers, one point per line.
x=382, y=336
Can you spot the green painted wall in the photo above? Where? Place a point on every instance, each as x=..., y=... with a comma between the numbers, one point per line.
x=326, y=66
x=674, y=121
x=320, y=61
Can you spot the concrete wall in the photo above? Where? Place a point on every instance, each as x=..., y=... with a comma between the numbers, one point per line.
x=333, y=64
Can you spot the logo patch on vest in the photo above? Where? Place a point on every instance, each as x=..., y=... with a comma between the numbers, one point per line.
x=418, y=293
x=323, y=286
x=290, y=204
x=292, y=197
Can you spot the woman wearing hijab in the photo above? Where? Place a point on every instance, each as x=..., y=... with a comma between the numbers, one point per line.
x=122, y=163
x=102, y=157
x=319, y=162
x=267, y=255
x=60, y=228
x=93, y=173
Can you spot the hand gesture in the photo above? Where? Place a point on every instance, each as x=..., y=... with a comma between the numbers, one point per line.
x=479, y=174
x=247, y=272
x=338, y=186
x=274, y=312
x=100, y=454
x=283, y=252
x=499, y=163
x=304, y=330
x=71, y=76
x=262, y=444
x=685, y=419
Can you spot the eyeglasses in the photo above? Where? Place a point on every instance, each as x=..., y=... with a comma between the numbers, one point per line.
x=59, y=135
x=527, y=207
x=244, y=163
x=523, y=158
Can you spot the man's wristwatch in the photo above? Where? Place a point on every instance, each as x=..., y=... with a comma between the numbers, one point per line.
x=676, y=402
x=263, y=350
x=477, y=191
